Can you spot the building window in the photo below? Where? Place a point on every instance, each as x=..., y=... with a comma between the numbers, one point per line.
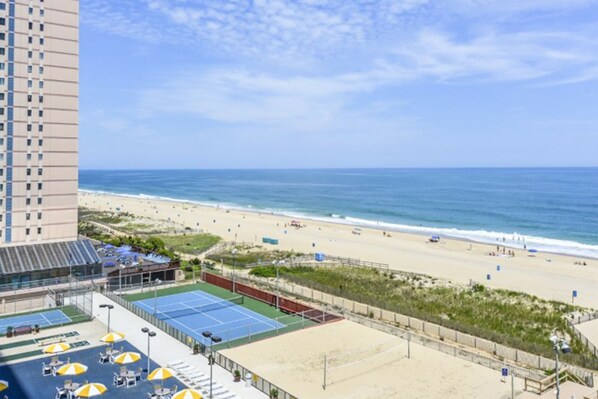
x=40, y=171
x=28, y=186
x=1, y=127
x=40, y=142
x=30, y=25
x=29, y=54
x=29, y=83
x=2, y=81
x=39, y=200
x=40, y=186
x=41, y=13
x=27, y=231
x=29, y=98
x=29, y=112
x=2, y=66
x=41, y=56
x=40, y=157
x=2, y=36
x=41, y=27
x=41, y=113
x=40, y=128
x=29, y=157
x=39, y=216
x=30, y=39
x=28, y=141
x=27, y=216
x=3, y=21
x=30, y=10
x=41, y=99
x=2, y=6
x=28, y=171
x=41, y=84
x=29, y=127
x=41, y=70
x=39, y=230
x=1, y=111
x=29, y=68
x=2, y=51
x=28, y=201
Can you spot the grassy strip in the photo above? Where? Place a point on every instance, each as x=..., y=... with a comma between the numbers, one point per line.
x=248, y=256
x=193, y=244
x=510, y=318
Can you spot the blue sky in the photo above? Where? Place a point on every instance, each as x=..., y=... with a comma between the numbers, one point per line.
x=338, y=83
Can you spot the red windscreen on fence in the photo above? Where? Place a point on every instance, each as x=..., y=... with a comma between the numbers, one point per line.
x=285, y=304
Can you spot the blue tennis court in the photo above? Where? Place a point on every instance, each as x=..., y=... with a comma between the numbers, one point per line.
x=197, y=311
x=43, y=319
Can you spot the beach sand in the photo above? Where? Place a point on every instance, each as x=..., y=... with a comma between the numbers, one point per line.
x=365, y=364
x=546, y=275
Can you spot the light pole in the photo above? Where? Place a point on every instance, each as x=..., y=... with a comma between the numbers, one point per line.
x=150, y=334
x=156, y=283
x=234, y=252
x=558, y=345
x=212, y=338
x=109, y=307
x=277, y=263
x=120, y=278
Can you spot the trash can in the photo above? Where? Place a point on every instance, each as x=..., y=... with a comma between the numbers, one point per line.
x=248, y=378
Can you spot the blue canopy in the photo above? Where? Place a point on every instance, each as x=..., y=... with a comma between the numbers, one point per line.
x=108, y=246
x=436, y=237
x=532, y=250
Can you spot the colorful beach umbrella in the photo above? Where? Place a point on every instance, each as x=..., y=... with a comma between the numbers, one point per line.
x=89, y=390
x=112, y=337
x=127, y=357
x=187, y=394
x=72, y=369
x=3, y=385
x=57, y=348
x=161, y=373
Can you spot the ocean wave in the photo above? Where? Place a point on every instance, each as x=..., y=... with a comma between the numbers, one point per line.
x=511, y=240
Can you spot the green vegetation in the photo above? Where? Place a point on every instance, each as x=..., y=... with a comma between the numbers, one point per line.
x=511, y=318
x=248, y=256
x=193, y=244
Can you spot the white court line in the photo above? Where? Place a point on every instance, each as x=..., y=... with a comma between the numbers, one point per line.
x=240, y=309
x=204, y=314
x=49, y=322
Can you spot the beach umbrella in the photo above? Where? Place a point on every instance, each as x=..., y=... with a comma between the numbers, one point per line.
x=161, y=373
x=72, y=369
x=187, y=394
x=127, y=357
x=112, y=337
x=3, y=385
x=57, y=348
x=89, y=390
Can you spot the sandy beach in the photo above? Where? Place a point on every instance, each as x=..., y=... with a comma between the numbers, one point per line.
x=549, y=276
x=366, y=364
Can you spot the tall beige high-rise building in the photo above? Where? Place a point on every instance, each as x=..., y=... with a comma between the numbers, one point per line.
x=39, y=75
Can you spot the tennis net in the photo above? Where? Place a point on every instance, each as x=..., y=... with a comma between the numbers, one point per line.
x=187, y=310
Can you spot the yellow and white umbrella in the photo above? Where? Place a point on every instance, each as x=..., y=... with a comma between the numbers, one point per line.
x=89, y=390
x=127, y=357
x=112, y=337
x=72, y=369
x=3, y=385
x=57, y=348
x=187, y=394
x=161, y=373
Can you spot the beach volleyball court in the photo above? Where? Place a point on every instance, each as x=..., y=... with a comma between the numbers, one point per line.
x=364, y=363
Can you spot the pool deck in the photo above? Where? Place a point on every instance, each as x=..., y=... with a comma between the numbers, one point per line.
x=165, y=348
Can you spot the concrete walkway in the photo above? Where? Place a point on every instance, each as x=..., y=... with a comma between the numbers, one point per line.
x=165, y=348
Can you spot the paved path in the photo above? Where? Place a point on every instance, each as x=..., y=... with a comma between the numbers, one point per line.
x=165, y=348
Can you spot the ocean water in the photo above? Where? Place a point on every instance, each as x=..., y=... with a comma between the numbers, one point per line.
x=548, y=209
